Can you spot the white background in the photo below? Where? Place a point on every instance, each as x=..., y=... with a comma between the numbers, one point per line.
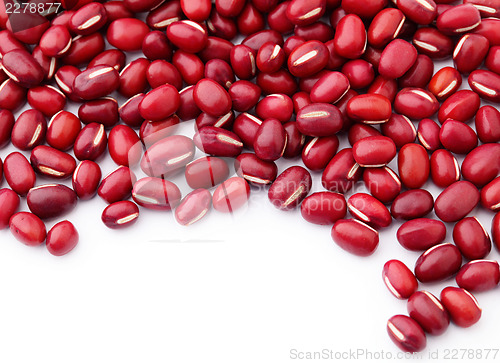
x=245, y=288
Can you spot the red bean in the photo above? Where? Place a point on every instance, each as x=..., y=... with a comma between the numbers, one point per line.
x=139, y=6
x=482, y=164
x=385, y=26
x=421, y=12
x=91, y=142
x=415, y=103
x=129, y=111
x=155, y=45
x=270, y=57
x=421, y=234
x=124, y=146
x=406, y=333
x=187, y=35
x=302, y=12
x=29, y=130
x=341, y=173
x=397, y=58
x=160, y=72
x=478, y=275
x=459, y=19
x=457, y=137
x=270, y=140
x=211, y=97
x=361, y=131
x=84, y=49
x=485, y=83
x=116, y=10
x=220, y=71
x=244, y=95
x=470, y=52
x=399, y=279
x=231, y=195
x=56, y=41
x=217, y=141
x=22, y=68
x=168, y=155
x=120, y=214
x=133, y=79
x=369, y=210
x=456, y=201
x=462, y=306
x=52, y=162
x=318, y=152
x=28, y=228
x=355, y=237
x=400, y=129
x=62, y=131
x=471, y=239
x=428, y=312
x=492, y=61
x=277, y=106
x=495, y=230
x=308, y=59
x=461, y=106
x=103, y=111
x=62, y=238
x=319, y=119
x=196, y=10
x=324, y=208
x=243, y=62
x=438, y=263
x=411, y=204
x=46, y=99
x=487, y=124
x=278, y=82
x=428, y=134
x=155, y=193
x=7, y=121
x=88, y=19
x=444, y=168
x=206, y=172
x=86, y=179
x=383, y=183
x=164, y=15
x=19, y=173
x=350, y=37
x=127, y=34
x=9, y=203
x=160, y=103
x=255, y=170
x=374, y=151
x=193, y=207
x=490, y=195
x=487, y=8
x=112, y=57
x=413, y=165
x=290, y=188
x=359, y=72
x=96, y=82
x=433, y=43
x=51, y=200
x=419, y=74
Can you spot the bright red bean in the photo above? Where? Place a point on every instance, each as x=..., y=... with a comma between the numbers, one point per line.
x=490, y=195
x=457, y=137
x=350, y=37
x=324, y=208
x=319, y=119
x=485, y=83
x=62, y=238
x=29, y=130
x=487, y=123
x=398, y=278
x=478, y=275
x=462, y=306
x=421, y=234
x=444, y=168
x=342, y=172
x=308, y=59
x=52, y=163
x=428, y=134
x=91, y=142
x=471, y=239
x=160, y=103
x=438, y=263
x=124, y=145
x=19, y=173
x=28, y=228
x=369, y=210
x=482, y=164
x=397, y=58
x=459, y=19
x=415, y=103
x=127, y=34
x=374, y=151
x=86, y=179
x=62, y=131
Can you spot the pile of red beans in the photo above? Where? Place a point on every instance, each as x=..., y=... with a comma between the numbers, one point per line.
x=305, y=73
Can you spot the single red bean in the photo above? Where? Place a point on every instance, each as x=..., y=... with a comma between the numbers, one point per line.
x=117, y=185
x=160, y=103
x=364, y=9
x=127, y=34
x=438, y=263
x=225, y=121
x=369, y=210
x=96, y=82
x=187, y=35
x=88, y=19
x=374, y=151
x=22, y=68
x=495, y=230
x=86, y=179
x=116, y=10
x=277, y=106
x=457, y=137
x=421, y=12
x=278, y=20
x=165, y=14
x=120, y=214
x=459, y=19
x=112, y=57
x=250, y=20
x=330, y=88
x=398, y=278
x=218, y=142
x=355, y=237
x=460, y=106
x=12, y=96
x=153, y=131
x=444, y=168
x=470, y=52
x=124, y=145
x=206, y=172
x=406, y=333
x=421, y=234
x=290, y=188
x=413, y=165
x=91, y=142
x=490, y=195
x=220, y=71
x=168, y=155
x=342, y=172
x=187, y=107
x=308, y=58
x=385, y=87
x=487, y=8
x=324, y=208
x=244, y=95
x=482, y=164
x=456, y=201
x=62, y=130
x=479, y=275
x=103, y=111
x=485, y=83
x=231, y=195
x=270, y=57
x=156, y=46
x=52, y=162
x=211, y=97
x=385, y=27
x=193, y=207
x=361, y=131
x=29, y=130
x=307, y=83
x=56, y=41
x=51, y=200
x=415, y=103
x=383, y=183
x=65, y=77
x=397, y=58
x=46, y=99
x=129, y=111
x=445, y=82
x=19, y=173
x=84, y=49
x=359, y=72
x=369, y=108
x=302, y=12
x=412, y=204
x=350, y=37
x=433, y=43
x=28, y=228
x=245, y=127
x=295, y=140
x=62, y=238
x=221, y=26
x=400, y=129
x=196, y=10
x=243, y=62
x=319, y=119
x=133, y=78
x=278, y=82
x=9, y=203
x=270, y=140
x=318, y=152
x=428, y=134
x=428, y=312
x=317, y=31
x=161, y=72
x=419, y=74
x=461, y=305
x=471, y=239
x=255, y=170
x=487, y=122
x=217, y=48
x=229, y=8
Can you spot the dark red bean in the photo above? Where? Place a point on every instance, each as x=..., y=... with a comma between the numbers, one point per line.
x=124, y=145
x=485, y=83
x=479, y=275
x=12, y=96
x=19, y=173
x=324, y=208
x=421, y=12
x=411, y=204
x=457, y=137
x=116, y=10
x=112, y=57
x=28, y=228
x=254, y=170
x=231, y=195
x=7, y=121
x=84, y=49
x=52, y=162
x=139, y=6
x=487, y=8
x=487, y=124
x=29, y=130
x=278, y=20
x=168, y=155
x=117, y=185
x=218, y=142
x=361, y=131
x=120, y=214
x=318, y=152
x=127, y=34
x=342, y=172
x=369, y=210
x=103, y=111
x=153, y=131
x=250, y=20
x=385, y=27
x=243, y=62
x=444, y=168
x=206, y=172
x=96, y=82
x=193, y=207
x=88, y=19
x=160, y=103
x=359, y=72
x=419, y=74
x=385, y=87
x=438, y=263
x=244, y=95
x=22, y=68
x=295, y=140
x=428, y=312
x=229, y=8
x=278, y=82
x=383, y=183
x=217, y=48
x=400, y=129
x=91, y=142
x=461, y=305
x=290, y=188
x=302, y=12
x=413, y=166
x=456, y=201
x=51, y=200
x=355, y=237
x=495, y=230
x=270, y=140
x=470, y=52
x=406, y=333
x=9, y=203
x=433, y=43
x=86, y=179
x=129, y=111
x=245, y=127
x=156, y=46
x=492, y=61
x=225, y=121
x=428, y=134
x=308, y=59
x=471, y=239
x=398, y=278
x=350, y=37
x=459, y=19
x=165, y=14
x=330, y=88
x=187, y=107
x=65, y=77
x=133, y=79
x=319, y=119
x=62, y=238
x=220, y=71
x=374, y=151
x=62, y=130
x=421, y=234
x=490, y=195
